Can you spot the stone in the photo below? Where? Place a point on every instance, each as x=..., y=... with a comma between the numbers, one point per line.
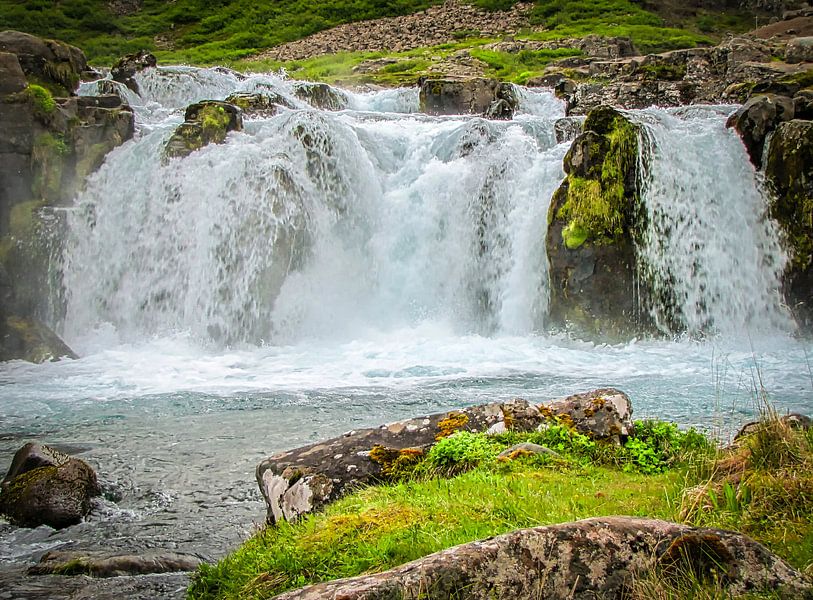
x=205, y=122
x=262, y=105
x=789, y=176
x=596, y=46
x=57, y=493
x=24, y=338
x=759, y=117
x=321, y=95
x=302, y=480
x=125, y=70
x=12, y=78
x=793, y=420
x=567, y=129
x=527, y=448
x=99, y=564
x=583, y=560
x=591, y=229
x=56, y=65
x=803, y=104
x=799, y=50
x=464, y=96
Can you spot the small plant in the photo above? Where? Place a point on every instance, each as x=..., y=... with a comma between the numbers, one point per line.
x=43, y=101
x=461, y=451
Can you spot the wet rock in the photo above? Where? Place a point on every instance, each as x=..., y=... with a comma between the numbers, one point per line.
x=99, y=564
x=465, y=96
x=321, y=95
x=27, y=339
x=262, y=105
x=56, y=65
x=46, y=487
x=789, y=175
x=124, y=71
x=499, y=110
x=567, y=129
x=799, y=50
x=302, y=480
x=759, y=117
x=593, y=558
x=204, y=123
x=591, y=226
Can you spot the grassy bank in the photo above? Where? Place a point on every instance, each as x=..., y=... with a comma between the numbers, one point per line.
x=206, y=33
x=461, y=491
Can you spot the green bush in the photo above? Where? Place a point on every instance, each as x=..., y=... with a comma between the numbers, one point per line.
x=657, y=446
x=461, y=451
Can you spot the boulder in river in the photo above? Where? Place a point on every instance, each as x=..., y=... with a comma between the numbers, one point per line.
x=593, y=558
x=759, y=117
x=468, y=97
x=299, y=481
x=205, y=122
x=100, y=564
x=124, y=71
x=321, y=95
x=46, y=487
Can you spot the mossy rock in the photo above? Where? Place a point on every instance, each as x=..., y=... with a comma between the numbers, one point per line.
x=205, y=123
x=54, y=65
x=321, y=95
x=23, y=338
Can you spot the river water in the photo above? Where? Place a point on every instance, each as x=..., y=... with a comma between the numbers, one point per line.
x=325, y=271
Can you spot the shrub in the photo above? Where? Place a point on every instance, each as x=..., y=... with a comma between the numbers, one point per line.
x=461, y=451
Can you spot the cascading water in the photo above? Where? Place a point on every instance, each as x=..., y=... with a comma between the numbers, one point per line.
x=324, y=271
x=711, y=254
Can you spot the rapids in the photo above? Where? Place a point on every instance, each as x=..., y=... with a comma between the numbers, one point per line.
x=324, y=271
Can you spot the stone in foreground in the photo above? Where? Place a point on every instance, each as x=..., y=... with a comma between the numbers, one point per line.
x=101, y=565
x=593, y=558
x=305, y=479
x=46, y=487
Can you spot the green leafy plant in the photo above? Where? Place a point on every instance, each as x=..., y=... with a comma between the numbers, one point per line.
x=461, y=451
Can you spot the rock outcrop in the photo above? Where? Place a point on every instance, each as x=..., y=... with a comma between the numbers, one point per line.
x=591, y=228
x=757, y=118
x=46, y=487
x=321, y=95
x=593, y=558
x=296, y=482
x=99, y=564
x=205, y=122
x=487, y=97
x=125, y=70
x=50, y=141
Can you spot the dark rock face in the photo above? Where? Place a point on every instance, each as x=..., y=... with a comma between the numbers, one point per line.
x=321, y=95
x=305, y=479
x=487, y=97
x=759, y=117
x=102, y=565
x=30, y=340
x=125, y=69
x=45, y=487
x=591, y=226
x=204, y=123
x=594, y=558
x=789, y=173
x=55, y=65
x=258, y=104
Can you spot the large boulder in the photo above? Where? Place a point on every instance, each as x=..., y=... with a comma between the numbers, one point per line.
x=27, y=339
x=799, y=50
x=487, y=97
x=100, y=564
x=789, y=174
x=757, y=118
x=584, y=560
x=321, y=95
x=591, y=229
x=298, y=481
x=205, y=122
x=46, y=487
x=55, y=65
x=125, y=70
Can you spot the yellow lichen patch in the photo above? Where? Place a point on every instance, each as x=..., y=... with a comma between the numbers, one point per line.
x=396, y=464
x=370, y=523
x=598, y=402
x=454, y=421
x=520, y=453
x=507, y=419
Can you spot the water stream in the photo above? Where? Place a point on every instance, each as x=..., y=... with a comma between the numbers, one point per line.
x=324, y=271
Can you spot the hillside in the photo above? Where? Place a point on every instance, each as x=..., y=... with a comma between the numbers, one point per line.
x=200, y=32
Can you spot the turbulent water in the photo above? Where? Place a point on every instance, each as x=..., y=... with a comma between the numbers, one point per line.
x=323, y=271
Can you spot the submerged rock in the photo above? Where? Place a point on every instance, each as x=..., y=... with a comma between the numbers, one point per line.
x=593, y=558
x=591, y=229
x=46, y=487
x=99, y=564
x=487, y=97
x=205, y=122
x=125, y=70
x=299, y=481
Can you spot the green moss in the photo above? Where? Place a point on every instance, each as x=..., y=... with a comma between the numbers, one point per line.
x=214, y=120
x=802, y=79
x=48, y=158
x=77, y=566
x=573, y=236
x=44, y=103
x=664, y=72
x=15, y=490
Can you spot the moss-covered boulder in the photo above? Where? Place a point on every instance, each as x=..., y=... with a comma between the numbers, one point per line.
x=321, y=95
x=205, y=122
x=487, y=97
x=57, y=66
x=261, y=105
x=759, y=117
x=789, y=173
x=592, y=222
x=45, y=487
x=25, y=338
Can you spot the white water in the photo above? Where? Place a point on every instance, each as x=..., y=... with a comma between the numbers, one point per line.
x=321, y=272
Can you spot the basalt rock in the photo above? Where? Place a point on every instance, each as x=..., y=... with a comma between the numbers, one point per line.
x=757, y=118
x=593, y=558
x=205, y=122
x=125, y=70
x=46, y=487
x=98, y=564
x=789, y=174
x=302, y=480
x=467, y=96
x=592, y=221
x=55, y=65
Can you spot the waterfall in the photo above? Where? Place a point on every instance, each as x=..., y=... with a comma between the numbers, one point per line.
x=710, y=253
